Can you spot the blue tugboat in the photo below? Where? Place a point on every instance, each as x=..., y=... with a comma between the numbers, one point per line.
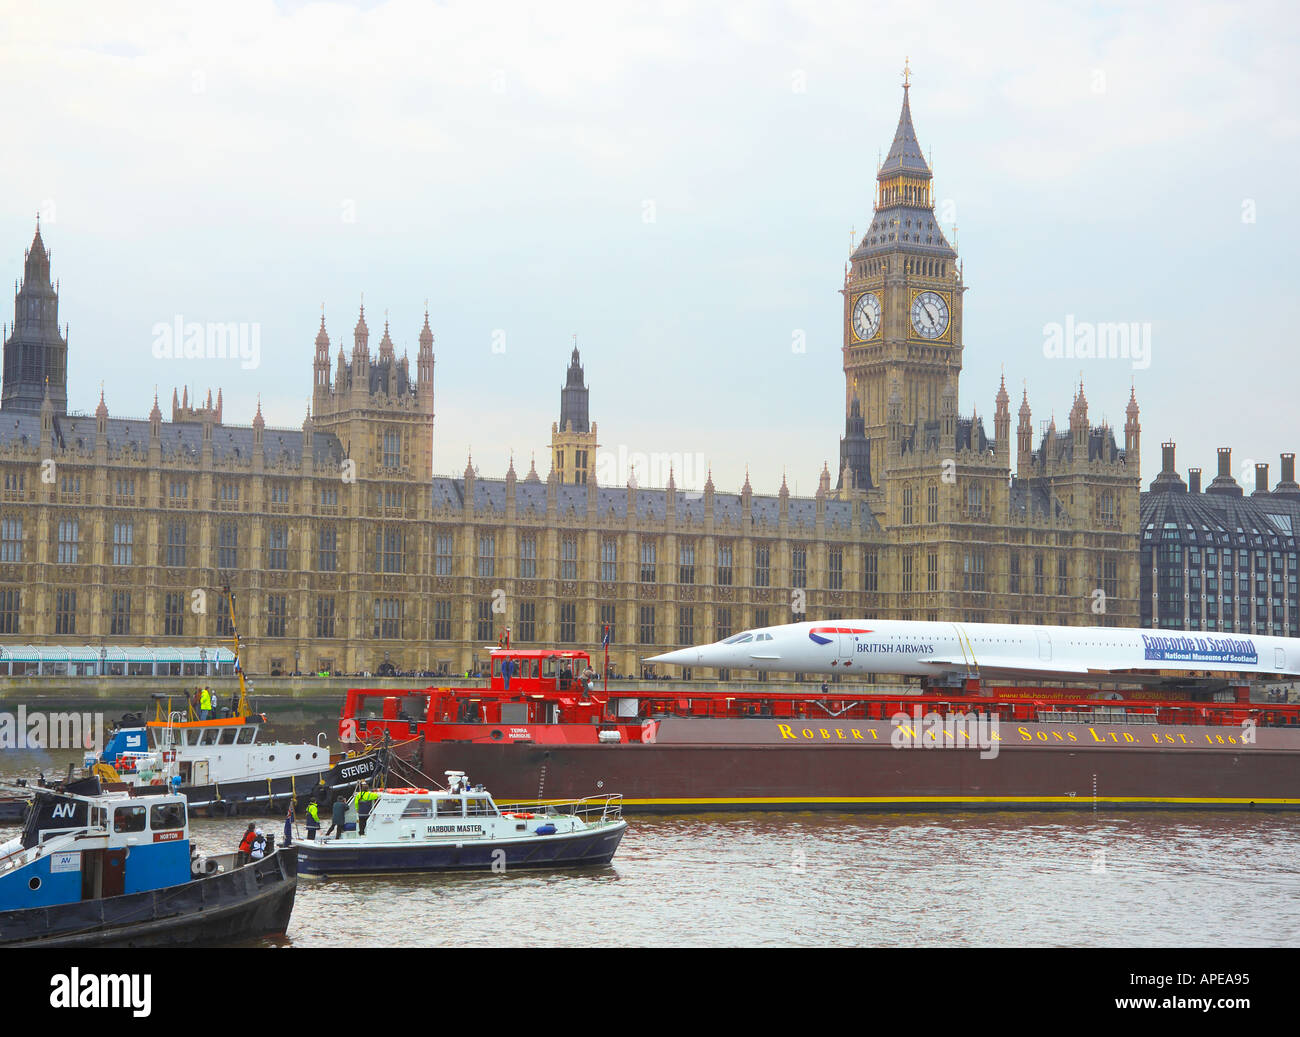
x=462, y=829
x=117, y=869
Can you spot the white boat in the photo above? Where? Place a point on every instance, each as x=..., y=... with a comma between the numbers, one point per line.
x=222, y=765
x=462, y=829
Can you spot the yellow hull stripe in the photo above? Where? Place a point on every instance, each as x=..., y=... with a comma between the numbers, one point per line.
x=1080, y=800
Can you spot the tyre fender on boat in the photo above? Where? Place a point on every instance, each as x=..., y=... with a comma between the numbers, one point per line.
x=219, y=808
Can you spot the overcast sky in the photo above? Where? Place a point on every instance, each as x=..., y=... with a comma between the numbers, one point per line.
x=673, y=183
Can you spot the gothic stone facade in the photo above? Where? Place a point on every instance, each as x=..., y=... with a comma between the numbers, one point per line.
x=347, y=554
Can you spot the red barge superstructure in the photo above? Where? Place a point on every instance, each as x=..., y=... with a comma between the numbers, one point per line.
x=545, y=735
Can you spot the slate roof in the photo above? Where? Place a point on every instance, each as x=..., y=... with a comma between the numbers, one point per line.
x=651, y=504
x=76, y=432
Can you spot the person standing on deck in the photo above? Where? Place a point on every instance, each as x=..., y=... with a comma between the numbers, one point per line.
x=246, y=845
x=313, y=820
x=288, y=824
x=205, y=704
x=338, y=816
x=364, y=803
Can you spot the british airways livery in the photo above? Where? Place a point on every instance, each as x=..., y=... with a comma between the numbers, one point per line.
x=938, y=649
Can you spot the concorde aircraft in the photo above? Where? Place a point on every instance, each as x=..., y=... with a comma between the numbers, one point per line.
x=1006, y=650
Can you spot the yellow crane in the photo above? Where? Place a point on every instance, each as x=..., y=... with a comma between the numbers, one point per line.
x=244, y=708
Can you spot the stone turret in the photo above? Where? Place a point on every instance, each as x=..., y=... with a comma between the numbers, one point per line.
x=35, y=352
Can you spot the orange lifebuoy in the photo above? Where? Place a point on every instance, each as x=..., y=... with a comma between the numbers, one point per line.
x=522, y=817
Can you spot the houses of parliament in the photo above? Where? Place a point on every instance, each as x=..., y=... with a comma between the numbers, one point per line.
x=347, y=553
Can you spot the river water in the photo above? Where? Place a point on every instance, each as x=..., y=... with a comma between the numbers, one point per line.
x=818, y=879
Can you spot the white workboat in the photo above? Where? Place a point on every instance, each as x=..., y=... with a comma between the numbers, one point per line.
x=223, y=766
x=462, y=829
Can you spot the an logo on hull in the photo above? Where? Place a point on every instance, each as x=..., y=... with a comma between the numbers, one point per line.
x=814, y=632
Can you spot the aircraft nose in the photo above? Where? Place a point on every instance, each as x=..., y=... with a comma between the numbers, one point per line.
x=681, y=657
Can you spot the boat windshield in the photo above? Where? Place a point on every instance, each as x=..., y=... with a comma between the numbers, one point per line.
x=418, y=808
x=449, y=808
x=479, y=806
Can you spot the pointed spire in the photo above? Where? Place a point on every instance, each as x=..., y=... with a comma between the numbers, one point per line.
x=426, y=332
x=102, y=410
x=532, y=475
x=708, y=484
x=259, y=422
x=155, y=415
x=385, y=344
x=824, y=480
x=905, y=153
x=1024, y=405
x=747, y=489
x=672, y=481
x=361, y=333
x=307, y=423
x=37, y=268
x=784, y=492
x=469, y=466
x=1132, y=409
x=1003, y=399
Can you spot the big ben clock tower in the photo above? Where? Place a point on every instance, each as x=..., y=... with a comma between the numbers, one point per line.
x=902, y=303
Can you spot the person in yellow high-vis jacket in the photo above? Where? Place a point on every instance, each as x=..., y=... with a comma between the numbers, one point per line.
x=364, y=802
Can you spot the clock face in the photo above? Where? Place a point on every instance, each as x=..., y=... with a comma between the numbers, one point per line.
x=929, y=315
x=866, y=316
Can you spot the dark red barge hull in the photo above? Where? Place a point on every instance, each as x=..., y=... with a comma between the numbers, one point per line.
x=750, y=764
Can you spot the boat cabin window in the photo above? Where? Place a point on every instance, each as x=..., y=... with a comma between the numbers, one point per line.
x=449, y=808
x=418, y=808
x=246, y=735
x=208, y=737
x=167, y=816
x=479, y=807
x=228, y=735
x=128, y=819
